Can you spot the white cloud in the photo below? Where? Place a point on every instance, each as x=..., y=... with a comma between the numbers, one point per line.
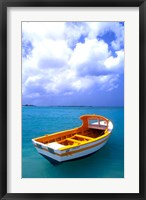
x=88, y=57
x=54, y=67
x=101, y=28
x=37, y=31
x=115, y=64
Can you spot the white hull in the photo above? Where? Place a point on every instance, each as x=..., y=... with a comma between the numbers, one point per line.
x=80, y=152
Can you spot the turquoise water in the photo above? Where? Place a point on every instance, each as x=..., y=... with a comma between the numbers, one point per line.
x=108, y=162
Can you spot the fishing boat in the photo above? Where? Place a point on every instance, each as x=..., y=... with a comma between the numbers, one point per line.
x=75, y=143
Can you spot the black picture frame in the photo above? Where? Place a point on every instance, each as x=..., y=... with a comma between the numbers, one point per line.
x=4, y=4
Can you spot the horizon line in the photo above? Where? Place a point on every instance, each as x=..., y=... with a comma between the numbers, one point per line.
x=31, y=105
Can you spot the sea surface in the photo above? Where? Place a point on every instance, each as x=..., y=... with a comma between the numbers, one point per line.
x=108, y=162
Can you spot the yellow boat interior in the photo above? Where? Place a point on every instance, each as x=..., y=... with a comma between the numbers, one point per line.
x=93, y=127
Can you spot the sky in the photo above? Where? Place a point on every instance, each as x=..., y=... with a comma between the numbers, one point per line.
x=73, y=63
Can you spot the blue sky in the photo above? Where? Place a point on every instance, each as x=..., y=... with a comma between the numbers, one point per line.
x=73, y=63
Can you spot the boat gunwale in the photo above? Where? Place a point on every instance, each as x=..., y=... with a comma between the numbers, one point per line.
x=76, y=145
x=94, y=116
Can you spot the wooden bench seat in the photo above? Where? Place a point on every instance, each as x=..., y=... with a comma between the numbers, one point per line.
x=72, y=140
x=84, y=137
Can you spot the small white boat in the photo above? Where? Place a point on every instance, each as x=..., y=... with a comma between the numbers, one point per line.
x=75, y=143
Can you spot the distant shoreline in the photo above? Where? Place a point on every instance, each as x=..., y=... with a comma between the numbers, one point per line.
x=29, y=105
